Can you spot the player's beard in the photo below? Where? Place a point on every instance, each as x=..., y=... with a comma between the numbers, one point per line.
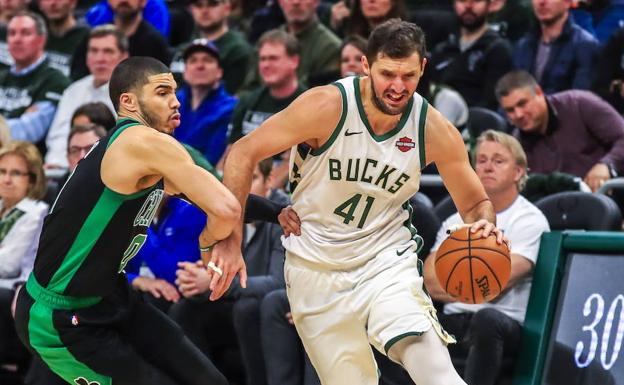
x=150, y=117
x=381, y=105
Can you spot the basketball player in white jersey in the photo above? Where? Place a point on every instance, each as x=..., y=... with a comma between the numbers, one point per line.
x=352, y=273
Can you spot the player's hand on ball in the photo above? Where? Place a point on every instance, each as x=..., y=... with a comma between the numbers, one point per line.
x=226, y=260
x=289, y=220
x=488, y=228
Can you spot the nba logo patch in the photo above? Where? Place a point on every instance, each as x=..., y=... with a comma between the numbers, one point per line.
x=405, y=144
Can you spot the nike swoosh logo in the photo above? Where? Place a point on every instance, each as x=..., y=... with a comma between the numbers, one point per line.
x=399, y=253
x=347, y=133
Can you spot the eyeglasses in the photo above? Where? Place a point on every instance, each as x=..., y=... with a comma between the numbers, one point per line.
x=13, y=173
x=77, y=150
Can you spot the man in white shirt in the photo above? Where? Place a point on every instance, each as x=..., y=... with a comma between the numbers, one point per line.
x=107, y=47
x=492, y=330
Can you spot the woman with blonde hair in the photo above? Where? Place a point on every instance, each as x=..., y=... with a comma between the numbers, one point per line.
x=22, y=185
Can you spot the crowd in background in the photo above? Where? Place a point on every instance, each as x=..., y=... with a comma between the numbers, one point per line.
x=548, y=72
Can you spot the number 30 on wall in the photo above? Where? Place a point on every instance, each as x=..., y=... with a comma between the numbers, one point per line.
x=596, y=304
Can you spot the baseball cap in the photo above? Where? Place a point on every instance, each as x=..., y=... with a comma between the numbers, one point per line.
x=201, y=45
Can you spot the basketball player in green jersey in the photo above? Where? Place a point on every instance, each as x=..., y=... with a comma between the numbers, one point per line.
x=352, y=272
x=77, y=312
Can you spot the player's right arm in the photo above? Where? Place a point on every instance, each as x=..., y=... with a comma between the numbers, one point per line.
x=310, y=119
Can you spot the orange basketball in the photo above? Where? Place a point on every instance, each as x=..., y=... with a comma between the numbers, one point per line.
x=472, y=269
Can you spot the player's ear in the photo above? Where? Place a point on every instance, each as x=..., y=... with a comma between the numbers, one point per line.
x=365, y=65
x=128, y=101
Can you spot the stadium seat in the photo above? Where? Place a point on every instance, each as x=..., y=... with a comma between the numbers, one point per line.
x=445, y=208
x=575, y=210
x=481, y=119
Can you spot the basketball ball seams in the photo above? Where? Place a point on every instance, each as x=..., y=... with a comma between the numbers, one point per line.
x=500, y=287
x=446, y=285
x=439, y=257
x=474, y=298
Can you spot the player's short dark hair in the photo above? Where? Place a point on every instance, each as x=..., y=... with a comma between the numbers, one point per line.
x=514, y=80
x=97, y=112
x=290, y=43
x=110, y=30
x=132, y=74
x=396, y=39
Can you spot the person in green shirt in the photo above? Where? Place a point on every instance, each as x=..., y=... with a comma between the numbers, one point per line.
x=211, y=22
x=65, y=34
x=30, y=89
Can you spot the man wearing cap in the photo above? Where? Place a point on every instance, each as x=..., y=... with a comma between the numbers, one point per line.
x=205, y=106
x=211, y=22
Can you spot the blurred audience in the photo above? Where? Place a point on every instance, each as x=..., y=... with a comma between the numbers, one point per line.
x=107, y=46
x=205, y=106
x=559, y=54
x=94, y=113
x=64, y=33
x=30, y=89
x=8, y=9
x=351, y=52
x=570, y=131
x=472, y=62
x=211, y=23
x=609, y=74
x=22, y=185
x=359, y=17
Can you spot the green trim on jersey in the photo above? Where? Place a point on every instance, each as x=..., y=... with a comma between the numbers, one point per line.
x=44, y=338
x=421, y=132
x=343, y=117
x=130, y=122
x=389, y=134
x=396, y=339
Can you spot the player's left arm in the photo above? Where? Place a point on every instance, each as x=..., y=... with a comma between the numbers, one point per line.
x=444, y=146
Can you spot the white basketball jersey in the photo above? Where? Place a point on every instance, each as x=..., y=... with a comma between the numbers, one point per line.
x=352, y=193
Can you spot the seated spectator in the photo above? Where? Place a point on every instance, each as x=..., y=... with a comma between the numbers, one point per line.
x=573, y=131
x=155, y=12
x=319, y=46
x=29, y=90
x=600, y=17
x=22, y=185
x=143, y=38
x=609, y=74
x=351, y=52
x=107, y=46
x=213, y=326
x=211, y=23
x=94, y=113
x=205, y=106
x=279, y=59
x=362, y=16
x=491, y=331
x=8, y=9
x=474, y=60
x=559, y=54
x=64, y=35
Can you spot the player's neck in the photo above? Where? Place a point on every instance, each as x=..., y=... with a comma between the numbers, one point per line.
x=380, y=122
x=134, y=115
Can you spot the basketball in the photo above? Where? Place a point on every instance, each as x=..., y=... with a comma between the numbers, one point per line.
x=472, y=269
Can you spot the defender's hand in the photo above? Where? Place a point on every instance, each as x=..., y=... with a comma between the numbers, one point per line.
x=226, y=258
x=289, y=220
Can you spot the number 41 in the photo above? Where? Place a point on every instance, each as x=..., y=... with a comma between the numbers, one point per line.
x=348, y=207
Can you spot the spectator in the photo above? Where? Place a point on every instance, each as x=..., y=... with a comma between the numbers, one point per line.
x=571, y=131
x=209, y=324
x=351, y=52
x=22, y=185
x=211, y=22
x=143, y=38
x=205, y=106
x=279, y=59
x=8, y=9
x=493, y=330
x=29, y=89
x=560, y=54
x=363, y=15
x=94, y=113
x=107, y=46
x=65, y=34
x=154, y=12
x=609, y=75
x=80, y=141
x=472, y=62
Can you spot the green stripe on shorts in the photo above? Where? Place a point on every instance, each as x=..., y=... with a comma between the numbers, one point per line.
x=44, y=338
